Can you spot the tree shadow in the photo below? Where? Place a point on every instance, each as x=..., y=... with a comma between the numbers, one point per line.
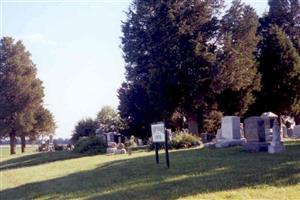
x=37, y=159
x=192, y=172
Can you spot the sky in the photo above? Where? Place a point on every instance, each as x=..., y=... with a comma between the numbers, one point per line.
x=76, y=48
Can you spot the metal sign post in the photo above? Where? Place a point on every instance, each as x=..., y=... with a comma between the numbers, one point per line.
x=167, y=149
x=156, y=153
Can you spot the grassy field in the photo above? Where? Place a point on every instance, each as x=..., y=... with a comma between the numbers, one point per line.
x=194, y=174
x=5, y=153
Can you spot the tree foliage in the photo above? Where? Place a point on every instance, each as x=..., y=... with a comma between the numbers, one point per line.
x=45, y=123
x=189, y=57
x=109, y=120
x=84, y=128
x=169, y=63
x=286, y=15
x=237, y=76
x=280, y=69
x=21, y=92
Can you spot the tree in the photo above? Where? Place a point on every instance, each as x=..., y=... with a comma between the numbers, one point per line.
x=286, y=15
x=237, y=76
x=24, y=124
x=135, y=110
x=168, y=57
x=280, y=69
x=109, y=120
x=84, y=128
x=45, y=123
x=20, y=89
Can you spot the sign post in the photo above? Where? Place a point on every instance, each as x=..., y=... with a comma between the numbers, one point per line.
x=167, y=149
x=156, y=153
x=160, y=135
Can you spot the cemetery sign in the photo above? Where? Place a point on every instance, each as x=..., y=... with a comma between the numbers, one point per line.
x=160, y=135
x=158, y=132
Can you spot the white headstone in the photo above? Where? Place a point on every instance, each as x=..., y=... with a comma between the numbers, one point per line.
x=231, y=127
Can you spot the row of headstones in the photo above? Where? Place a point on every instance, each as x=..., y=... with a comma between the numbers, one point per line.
x=257, y=134
x=115, y=142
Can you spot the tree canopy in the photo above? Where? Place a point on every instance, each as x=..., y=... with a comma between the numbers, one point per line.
x=84, y=128
x=194, y=58
x=21, y=92
x=280, y=69
x=109, y=120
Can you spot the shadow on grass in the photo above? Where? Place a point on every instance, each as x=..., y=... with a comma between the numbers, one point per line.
x=37, y=159
x=192, y=172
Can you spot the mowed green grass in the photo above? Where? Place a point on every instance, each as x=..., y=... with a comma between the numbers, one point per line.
x=5, y=151
x=194, y=174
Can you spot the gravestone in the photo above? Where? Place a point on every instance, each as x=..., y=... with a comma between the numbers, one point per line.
x=119, y=138
x=230, y=133
x=268, y=122
x=140, y=142
x=110, y=141
x=231, y=127
x=242, y=132
x=284, y=130
x=296, y=131
x=255, y=135
x=219, y=134
x=110, y=137
x=290, y=132
x=276, y=145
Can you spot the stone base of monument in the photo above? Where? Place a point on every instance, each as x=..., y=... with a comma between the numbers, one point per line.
x=120, y=151
x=115, y=151
x=255, y=146
x=223, y=143
x=110, y=150
x=209, y=145
x=276, y=148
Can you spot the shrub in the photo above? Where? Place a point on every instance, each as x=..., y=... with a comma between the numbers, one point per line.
x=90, y=145
x=212, y=121
x=178, y=141
x=184, y=140
x=58, y=147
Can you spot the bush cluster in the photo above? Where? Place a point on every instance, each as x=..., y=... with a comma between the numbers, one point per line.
x=90, y=145
x=184, y=140
x=180, y=140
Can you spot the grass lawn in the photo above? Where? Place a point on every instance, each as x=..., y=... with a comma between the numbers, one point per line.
x=5, y=151
x=194, y=174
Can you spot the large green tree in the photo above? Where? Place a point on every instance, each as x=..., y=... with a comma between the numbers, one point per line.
x=168, y=56
x=286, y=15
x=280, y=69
x=21, y=92
x=135, y=110
x=109, y=120
x=44, y=125
x=237, y=76
x=84, y=128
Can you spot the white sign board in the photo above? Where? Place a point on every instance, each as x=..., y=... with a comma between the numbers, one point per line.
x=158, y=132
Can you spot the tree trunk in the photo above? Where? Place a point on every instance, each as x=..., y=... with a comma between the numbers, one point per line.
x=12, y=137
x=23, y=143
